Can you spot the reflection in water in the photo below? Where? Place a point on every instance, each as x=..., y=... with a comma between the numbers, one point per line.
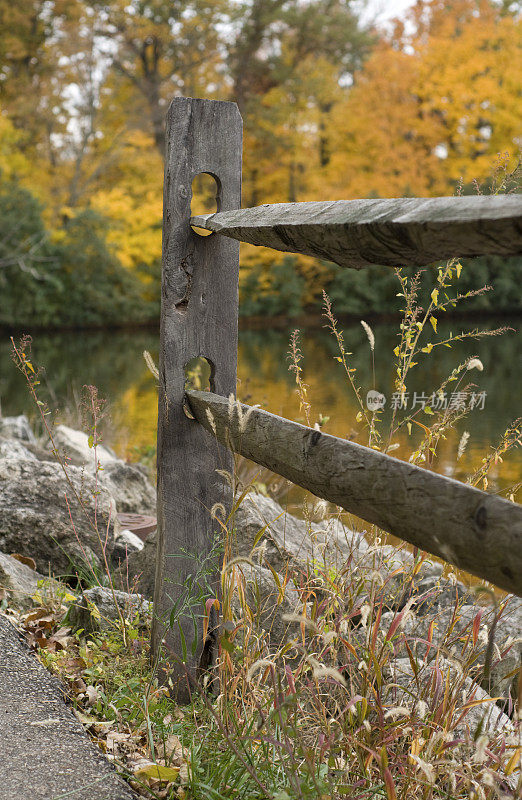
x=111, y=361
x=114, y=363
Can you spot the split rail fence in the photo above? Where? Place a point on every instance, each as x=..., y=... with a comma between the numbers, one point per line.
x=471, y=529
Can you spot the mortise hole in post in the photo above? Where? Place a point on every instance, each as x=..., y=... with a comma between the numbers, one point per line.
x=199, y=374
x=205, y=199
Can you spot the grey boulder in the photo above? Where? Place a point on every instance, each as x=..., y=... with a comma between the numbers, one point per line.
x=35, y=501
x=127, y=483
x=15, y=450
x=262, y=526
x=404, y=688
x=451, y=633
x=18, y=579
x=263, y=614
x=507, y=652
x=96, y=609
x=17, y=428
x=434, y=591
x=125, y=543
x=142, y=566
x=285, y=539
x=132, y=491
x=75, y=445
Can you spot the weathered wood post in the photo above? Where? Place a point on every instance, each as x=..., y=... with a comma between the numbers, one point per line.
x=199, y=310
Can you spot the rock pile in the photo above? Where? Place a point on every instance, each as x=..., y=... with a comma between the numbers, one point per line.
x=67, y=524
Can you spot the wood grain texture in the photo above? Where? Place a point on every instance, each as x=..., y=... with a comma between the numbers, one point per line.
x=398, y=233
x=475, y=531
x=199, y=309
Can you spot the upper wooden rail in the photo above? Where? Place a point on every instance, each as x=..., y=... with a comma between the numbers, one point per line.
x=473, y=530
x=398, y=233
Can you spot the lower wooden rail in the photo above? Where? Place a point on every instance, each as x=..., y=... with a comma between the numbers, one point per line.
x=471, y=529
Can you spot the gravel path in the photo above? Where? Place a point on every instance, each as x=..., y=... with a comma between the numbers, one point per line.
x=44, y=752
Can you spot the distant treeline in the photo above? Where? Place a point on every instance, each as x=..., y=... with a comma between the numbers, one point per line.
x=73, y=278
x=374, y=290
x=70, y=278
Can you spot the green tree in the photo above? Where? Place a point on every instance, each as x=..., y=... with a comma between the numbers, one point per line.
x=29, y=272
x=69, y=278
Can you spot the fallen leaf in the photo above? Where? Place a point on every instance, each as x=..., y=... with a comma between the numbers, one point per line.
x=62, y=633
x=158, y=772
x=85, y=719
x=35, y=615
x=78, y=685
x=61, y=639
x=92, y=695
x=103, y=727
x=27, y=560
x=74, y=664
x=173, y=747
x=116, y=739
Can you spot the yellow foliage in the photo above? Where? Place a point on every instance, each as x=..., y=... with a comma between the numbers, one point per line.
x=13, y=164
x=435, y=102
x=432, y=107
x=288, y=135
x=130, y=196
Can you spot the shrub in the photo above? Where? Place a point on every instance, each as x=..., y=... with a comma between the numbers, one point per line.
x=68, y=279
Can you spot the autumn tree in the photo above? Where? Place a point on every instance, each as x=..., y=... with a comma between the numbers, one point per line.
x=38, y=40
x=331, y=110
x=435, y=103
x=287, y=61
x=129, y=195
x=25, y=68
x=158, y=49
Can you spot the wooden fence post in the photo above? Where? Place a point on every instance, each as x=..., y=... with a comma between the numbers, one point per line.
x=199, y=310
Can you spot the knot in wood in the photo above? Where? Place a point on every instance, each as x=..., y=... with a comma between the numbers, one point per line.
x=481, y=517
x=178, y=280
x=314, y=438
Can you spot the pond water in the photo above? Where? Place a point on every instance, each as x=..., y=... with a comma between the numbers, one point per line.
x=113, y=362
